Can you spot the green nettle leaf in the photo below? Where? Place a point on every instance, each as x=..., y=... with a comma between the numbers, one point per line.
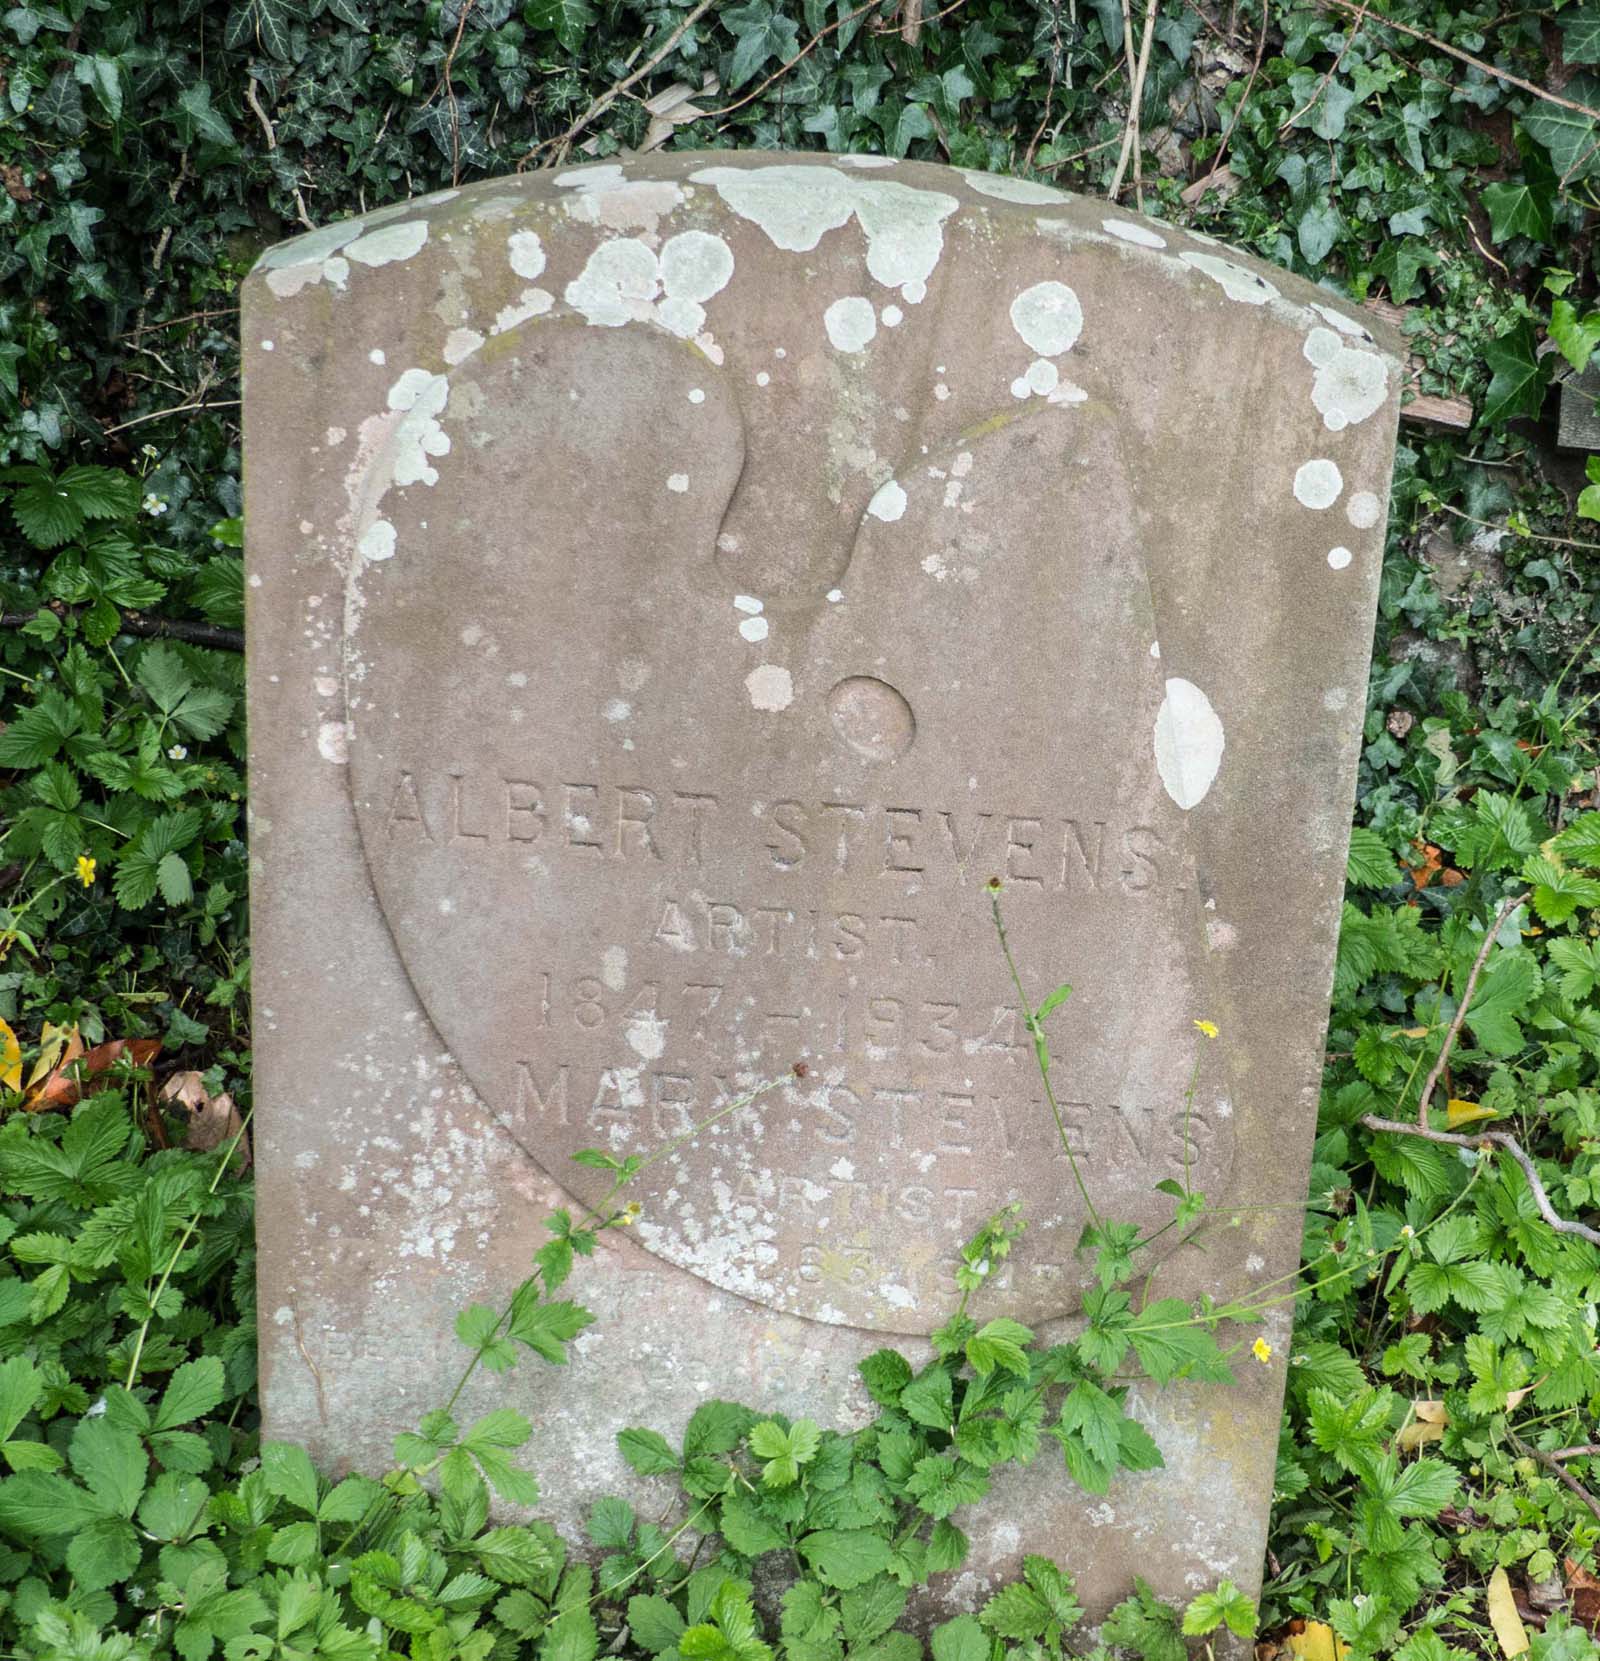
x=647, y=1451
x=940, y=1483
x=287, y=1470
x=1226, y=1606
x=1518, y=375
x=1000, y=1343
x=1370, y=864
x=961, y=1639
x=846, y=1557
x=929, y=1399
x=654, y=1623
x=193, y=1391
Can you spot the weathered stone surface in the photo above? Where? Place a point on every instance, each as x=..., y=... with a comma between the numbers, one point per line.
x=675, y=589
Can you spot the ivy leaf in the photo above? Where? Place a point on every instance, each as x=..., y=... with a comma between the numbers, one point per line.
x=1518, y=376
x=1576, y=338
x=567, y=20
x=1580, y=36
x=1568, y=135
x=761, y=35
x=1516, y=208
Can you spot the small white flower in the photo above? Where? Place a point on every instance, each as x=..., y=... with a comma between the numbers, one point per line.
x=154, y=505
x=1408, y=1232
x=178, y=752
x=982, y=1268
x=151, y=451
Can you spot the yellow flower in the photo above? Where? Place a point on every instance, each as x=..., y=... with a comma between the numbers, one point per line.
x=85, y=870
x=1209, y=1028
x=630, y=1214
x=1262, y=1351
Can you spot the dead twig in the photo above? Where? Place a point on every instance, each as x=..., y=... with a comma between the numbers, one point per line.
x=177, y=409
x=1499, y=1139
x=1328, y=74
x=1131, y=144
x=147, y=628
x=1586, y=1451
x=1365, y=6
x=1489, y=934
x=272, y=144
x=1238, y=109
x=563, y=141
x=1477, y=1138
x=1552, y=1463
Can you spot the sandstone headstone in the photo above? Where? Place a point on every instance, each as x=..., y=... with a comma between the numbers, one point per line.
x=676, y=587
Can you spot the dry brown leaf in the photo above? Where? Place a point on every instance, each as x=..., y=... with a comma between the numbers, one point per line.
x=213, y=1120
x=1503, y=1616
x=1428, y=1425
x=83, y=1074
x=1584, y=1589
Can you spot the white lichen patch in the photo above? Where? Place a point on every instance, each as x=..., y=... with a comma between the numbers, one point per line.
x=625, y=281
x=888, y=502
x=891, y=316
x=460, y=344
x=333, y=742
x=771, y=687
x=1317, y=483
x=605, y=196
x=1130, y=231
x=315, y=258
x=391, y=243
x=1349, y=384
x=377, y=541
x=851, y=323
x=1339, y=558
x=1363, y=510
x=535, y=302
x=614, y=967
x=421, y=396
x=525, y=253
x=1006, y=189
x=647, y=1036
x=796, y=206
x=1345, y=325
x=1048, y=317
x=1188, y=742
x=754, y=629
x=678, y=483
x=1235, y=281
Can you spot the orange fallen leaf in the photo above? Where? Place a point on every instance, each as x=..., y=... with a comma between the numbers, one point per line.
x=1503, y=1616
x=83, y=1072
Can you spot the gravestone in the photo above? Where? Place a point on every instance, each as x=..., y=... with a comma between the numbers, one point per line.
x=676, y=587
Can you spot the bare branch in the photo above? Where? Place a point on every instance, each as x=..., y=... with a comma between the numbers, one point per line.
x=149, y=628
x=1499, y=1139
x=1489, y=936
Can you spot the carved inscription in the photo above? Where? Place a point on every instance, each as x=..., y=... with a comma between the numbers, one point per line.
x=729, y=937
x=690, y=830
